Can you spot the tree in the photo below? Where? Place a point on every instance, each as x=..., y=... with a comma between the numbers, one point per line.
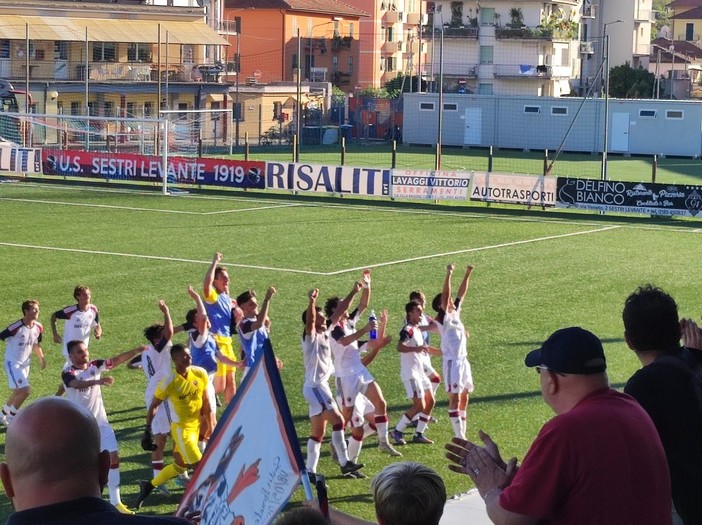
x=662, y=16
x=627, y=82
x=403, y=84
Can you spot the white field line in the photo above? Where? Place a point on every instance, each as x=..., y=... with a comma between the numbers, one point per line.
x=291, y=205
x=380, y=207
x=309, y=272
x=478, y=249
x=109, y=206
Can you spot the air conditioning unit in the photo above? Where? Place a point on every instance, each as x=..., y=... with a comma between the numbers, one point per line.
x=589, y=11
x=586, y=48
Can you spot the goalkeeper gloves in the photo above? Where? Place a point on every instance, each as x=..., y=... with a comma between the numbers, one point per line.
x=147, y=441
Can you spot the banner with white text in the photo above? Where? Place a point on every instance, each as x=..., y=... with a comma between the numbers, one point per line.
x=430, y=185
x=181, y=170
x=323, y=178
x=514, y=189
x=630, y=197
x=253, y=461
x=15, y=159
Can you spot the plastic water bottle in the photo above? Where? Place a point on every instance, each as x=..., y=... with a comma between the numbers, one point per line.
x=373, y=332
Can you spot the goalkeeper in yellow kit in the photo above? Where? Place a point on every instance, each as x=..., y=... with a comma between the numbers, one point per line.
x=186, y=387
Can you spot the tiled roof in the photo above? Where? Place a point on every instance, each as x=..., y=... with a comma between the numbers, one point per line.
x=683, y=50
x=332, y=7
x=683, y=3
x=693, y=13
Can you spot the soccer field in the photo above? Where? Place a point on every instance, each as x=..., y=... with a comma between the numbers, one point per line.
x=534, y=272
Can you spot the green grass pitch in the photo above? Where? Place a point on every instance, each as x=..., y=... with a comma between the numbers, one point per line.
x=535, y=272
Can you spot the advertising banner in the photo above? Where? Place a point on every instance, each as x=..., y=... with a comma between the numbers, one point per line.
x=630, y=197
x=20, y=160
x=514, y=189
x=322, y=178
x=430, y=185
x=181, y=170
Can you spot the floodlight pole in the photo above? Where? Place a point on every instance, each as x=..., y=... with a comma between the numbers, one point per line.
x=605, y=78
x=440, y=124
x=298, y=104
x=237, y=110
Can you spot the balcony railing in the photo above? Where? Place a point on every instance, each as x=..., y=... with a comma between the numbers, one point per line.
x=535, y=33
x=451, y=31
x=452, y=69
x=522, y=71
x=65, y=70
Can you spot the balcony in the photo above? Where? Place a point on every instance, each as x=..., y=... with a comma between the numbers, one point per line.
x=522, y=71
x=390, y=48
x=65, y=70
x=451, y=69
x=536, y=33
x=468, y=32
x=643, y=15
x=227, y=27
x=415, y=19
x=391, y=17
x=642, y=49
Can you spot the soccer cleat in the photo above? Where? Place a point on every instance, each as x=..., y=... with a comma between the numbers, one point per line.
x=145, y=488
x=124, y=509
x=398, y=437
x=163, y=489
x=351, y=467
x=389, y=449
x=421, y=438
x=356, y=474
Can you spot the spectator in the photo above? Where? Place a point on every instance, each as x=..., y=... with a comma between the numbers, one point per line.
x=302, y=516
x=669, y=390
x=54, y=470
x=599, y=460
x=404, y=493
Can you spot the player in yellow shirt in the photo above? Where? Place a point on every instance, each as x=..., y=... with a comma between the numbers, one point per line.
x=186, y=388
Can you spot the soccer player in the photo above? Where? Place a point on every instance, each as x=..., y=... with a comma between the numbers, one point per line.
x=322, y=407
x=253, y=328
x=156, y=364
x=186, y=387
x=418, y=297
x=205, y=354
x=21, y=338
x=417, y=385
x=219, y=308
x=352, y=376
x=83, y=379
x=80, y=319
x=454, y=347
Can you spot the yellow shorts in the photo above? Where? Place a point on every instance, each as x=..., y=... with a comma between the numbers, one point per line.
x=185, y=439
x=224, y=343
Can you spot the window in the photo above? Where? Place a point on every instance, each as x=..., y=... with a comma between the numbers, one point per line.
x=350, y=65
x=277, y=110
x=237, y=24
x=75, y=108
x=108, y=109
x=484, y=89
x=426, y=106
x=647, y=113
x=335, y=64
x=294, y=61
x=4, y=48
x=450, y=107
x=487, y=16
x=294, y=26
x=104, y=51
x=389, y=34
x=336, y=29
x=674, y=114
x=689, y=32
x=137, y=52
x=238, y=111
x=390, y=64
x=486, y=53
x=559, y=110
x=532, y=109
x=131, y=110
x=148, y=109
x=60, y=50
x=565, y=56
x=351, y=30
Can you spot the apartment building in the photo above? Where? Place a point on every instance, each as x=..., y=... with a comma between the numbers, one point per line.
x=109, y=59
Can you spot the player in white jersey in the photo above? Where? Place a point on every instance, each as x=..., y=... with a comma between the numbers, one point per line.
x=21, y=338
x=83, y=380
x=156, y=364
x=454, y=347
x=253, y=328
x=418, y=297
x=80, y=319
x=317, y=358
x=417, y=384
x=352, y=376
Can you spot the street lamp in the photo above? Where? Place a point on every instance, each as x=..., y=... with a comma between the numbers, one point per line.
x=605, y=78
x=671, y=48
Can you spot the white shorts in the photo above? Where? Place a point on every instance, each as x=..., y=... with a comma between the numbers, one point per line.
x=108, y=440
x=319, y=398
x=17, y=374
x=457, y=376
x=161, y=424
x=429, y=370
x=210, y=393
x=348, y=387
x=362, y=407
x=416, y=387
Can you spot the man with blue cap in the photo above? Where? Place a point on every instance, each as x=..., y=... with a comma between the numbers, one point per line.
x=599, y=460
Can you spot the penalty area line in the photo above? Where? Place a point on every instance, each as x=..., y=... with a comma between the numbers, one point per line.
x=478, y=249
x=158, y=258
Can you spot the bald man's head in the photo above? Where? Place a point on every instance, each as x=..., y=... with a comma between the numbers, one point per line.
x=52, y=454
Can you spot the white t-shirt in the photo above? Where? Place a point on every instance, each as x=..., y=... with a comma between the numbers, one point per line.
x=77, y=325
x=316, y=354
x=20, y=339
x=454, y=344
x=90, y=397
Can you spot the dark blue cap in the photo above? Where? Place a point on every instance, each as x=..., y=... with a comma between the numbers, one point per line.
x=570, y=351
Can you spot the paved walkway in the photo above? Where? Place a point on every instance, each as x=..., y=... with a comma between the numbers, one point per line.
x=465, y=509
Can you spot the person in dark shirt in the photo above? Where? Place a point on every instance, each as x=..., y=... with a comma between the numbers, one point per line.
x=669, y=389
